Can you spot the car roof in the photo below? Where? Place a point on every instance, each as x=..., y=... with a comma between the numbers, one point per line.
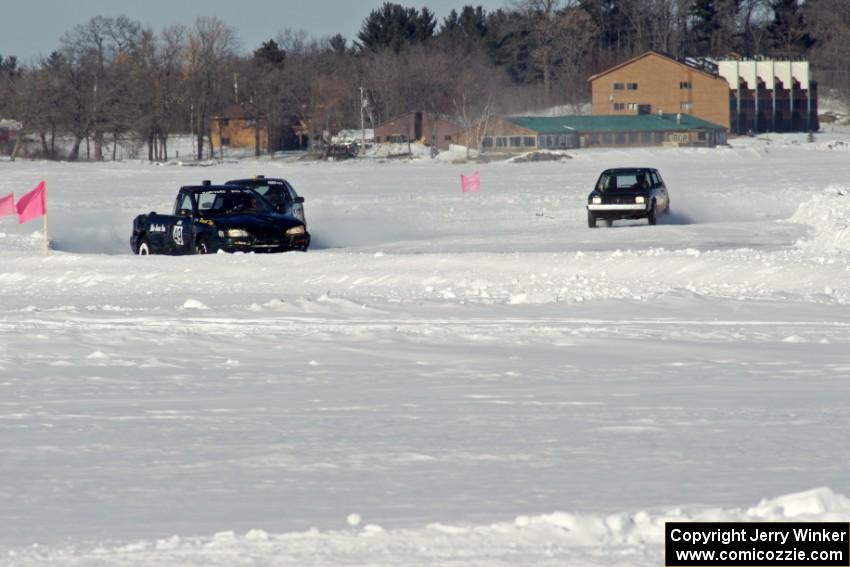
x=201, y=188
x=257, y=179
x=628, y=169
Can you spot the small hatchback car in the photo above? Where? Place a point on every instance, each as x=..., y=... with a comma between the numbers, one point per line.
x=627, y=193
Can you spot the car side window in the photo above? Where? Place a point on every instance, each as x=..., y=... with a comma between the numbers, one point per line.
x=292, y=194
x=658, y=181
x=184, y=205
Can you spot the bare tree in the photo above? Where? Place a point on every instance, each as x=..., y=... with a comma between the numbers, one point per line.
x=210, y=48
x=829, y=21
x=98, y=53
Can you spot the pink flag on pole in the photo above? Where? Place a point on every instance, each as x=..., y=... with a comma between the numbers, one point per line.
x=7, y=205
x=471, y=183
x=32, y=205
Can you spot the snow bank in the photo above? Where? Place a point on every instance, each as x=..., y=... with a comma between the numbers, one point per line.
x=552, y=539
x=828, y=215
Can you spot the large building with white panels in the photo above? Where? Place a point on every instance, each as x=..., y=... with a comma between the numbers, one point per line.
x=770, y=95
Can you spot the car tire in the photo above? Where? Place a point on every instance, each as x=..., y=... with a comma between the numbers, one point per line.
x=144, y=247
x=591, y=220
x=650, y=215
x=201, y=247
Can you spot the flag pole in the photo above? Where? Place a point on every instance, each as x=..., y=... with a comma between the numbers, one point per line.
x=46, y=245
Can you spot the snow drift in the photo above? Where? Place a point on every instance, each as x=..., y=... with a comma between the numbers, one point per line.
x=556, y=539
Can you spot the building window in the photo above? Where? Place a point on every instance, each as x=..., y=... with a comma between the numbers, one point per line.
x=701, y=136
x=685, y=85
x=487, y=142
x=633, y=137
x=621, y=138
x=619, y=106
x=632, y=86
x=225, y=141
x=528, y=141
x=606, y=139
x=646, y=137
x=685, y=105
x=516, y=141
x=633, y=106
x=501, y=142
x=447, y=138
x=224, y=122
x=619, y=86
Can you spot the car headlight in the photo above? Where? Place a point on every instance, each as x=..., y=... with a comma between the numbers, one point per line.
x=597, y=200
x=295, y=230
x=236, y=233
x=640, y=200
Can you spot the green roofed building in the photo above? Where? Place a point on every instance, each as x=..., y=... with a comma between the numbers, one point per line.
x=528, y=133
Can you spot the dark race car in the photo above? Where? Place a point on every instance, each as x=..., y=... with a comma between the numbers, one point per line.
x=278, y=192
x=627, y=193
x=209, y=218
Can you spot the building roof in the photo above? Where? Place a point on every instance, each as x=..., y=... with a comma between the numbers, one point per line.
x=613, y=123
x=425, y=116
x=699, y=65
x=236, y=112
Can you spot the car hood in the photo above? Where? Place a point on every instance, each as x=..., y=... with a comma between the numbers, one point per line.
x=256, y=222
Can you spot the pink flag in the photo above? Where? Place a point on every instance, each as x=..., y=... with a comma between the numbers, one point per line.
x=32, y=205
x=470, y=184
x=7, y=205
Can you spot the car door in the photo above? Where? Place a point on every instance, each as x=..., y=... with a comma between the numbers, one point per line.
x=179, y=235
x=662, y=198
x=155, y=230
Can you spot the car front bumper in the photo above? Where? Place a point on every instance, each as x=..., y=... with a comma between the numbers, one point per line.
x=285, y=244
x=616, y=207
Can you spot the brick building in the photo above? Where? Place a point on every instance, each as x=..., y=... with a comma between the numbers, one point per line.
x=654, y=82
x=742, y=95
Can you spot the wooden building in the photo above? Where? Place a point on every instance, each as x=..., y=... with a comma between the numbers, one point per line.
x=419, y=126
x=239, y=127
x=654, y=82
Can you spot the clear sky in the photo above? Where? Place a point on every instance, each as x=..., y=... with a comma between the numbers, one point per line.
x=29, y=28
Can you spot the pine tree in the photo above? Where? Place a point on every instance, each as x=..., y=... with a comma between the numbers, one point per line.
x=270, y=53
x=393, y=27
x=787, y=32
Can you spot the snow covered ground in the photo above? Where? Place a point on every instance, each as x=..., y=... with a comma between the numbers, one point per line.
x=446, y=378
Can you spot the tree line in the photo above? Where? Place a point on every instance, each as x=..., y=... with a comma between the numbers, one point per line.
x=114, y=79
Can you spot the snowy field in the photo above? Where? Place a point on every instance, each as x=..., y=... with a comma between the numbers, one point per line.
x=444, y=379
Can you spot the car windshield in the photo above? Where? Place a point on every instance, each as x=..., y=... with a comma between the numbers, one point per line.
x=226, y=201
x=623, y=180
x=273, y=190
